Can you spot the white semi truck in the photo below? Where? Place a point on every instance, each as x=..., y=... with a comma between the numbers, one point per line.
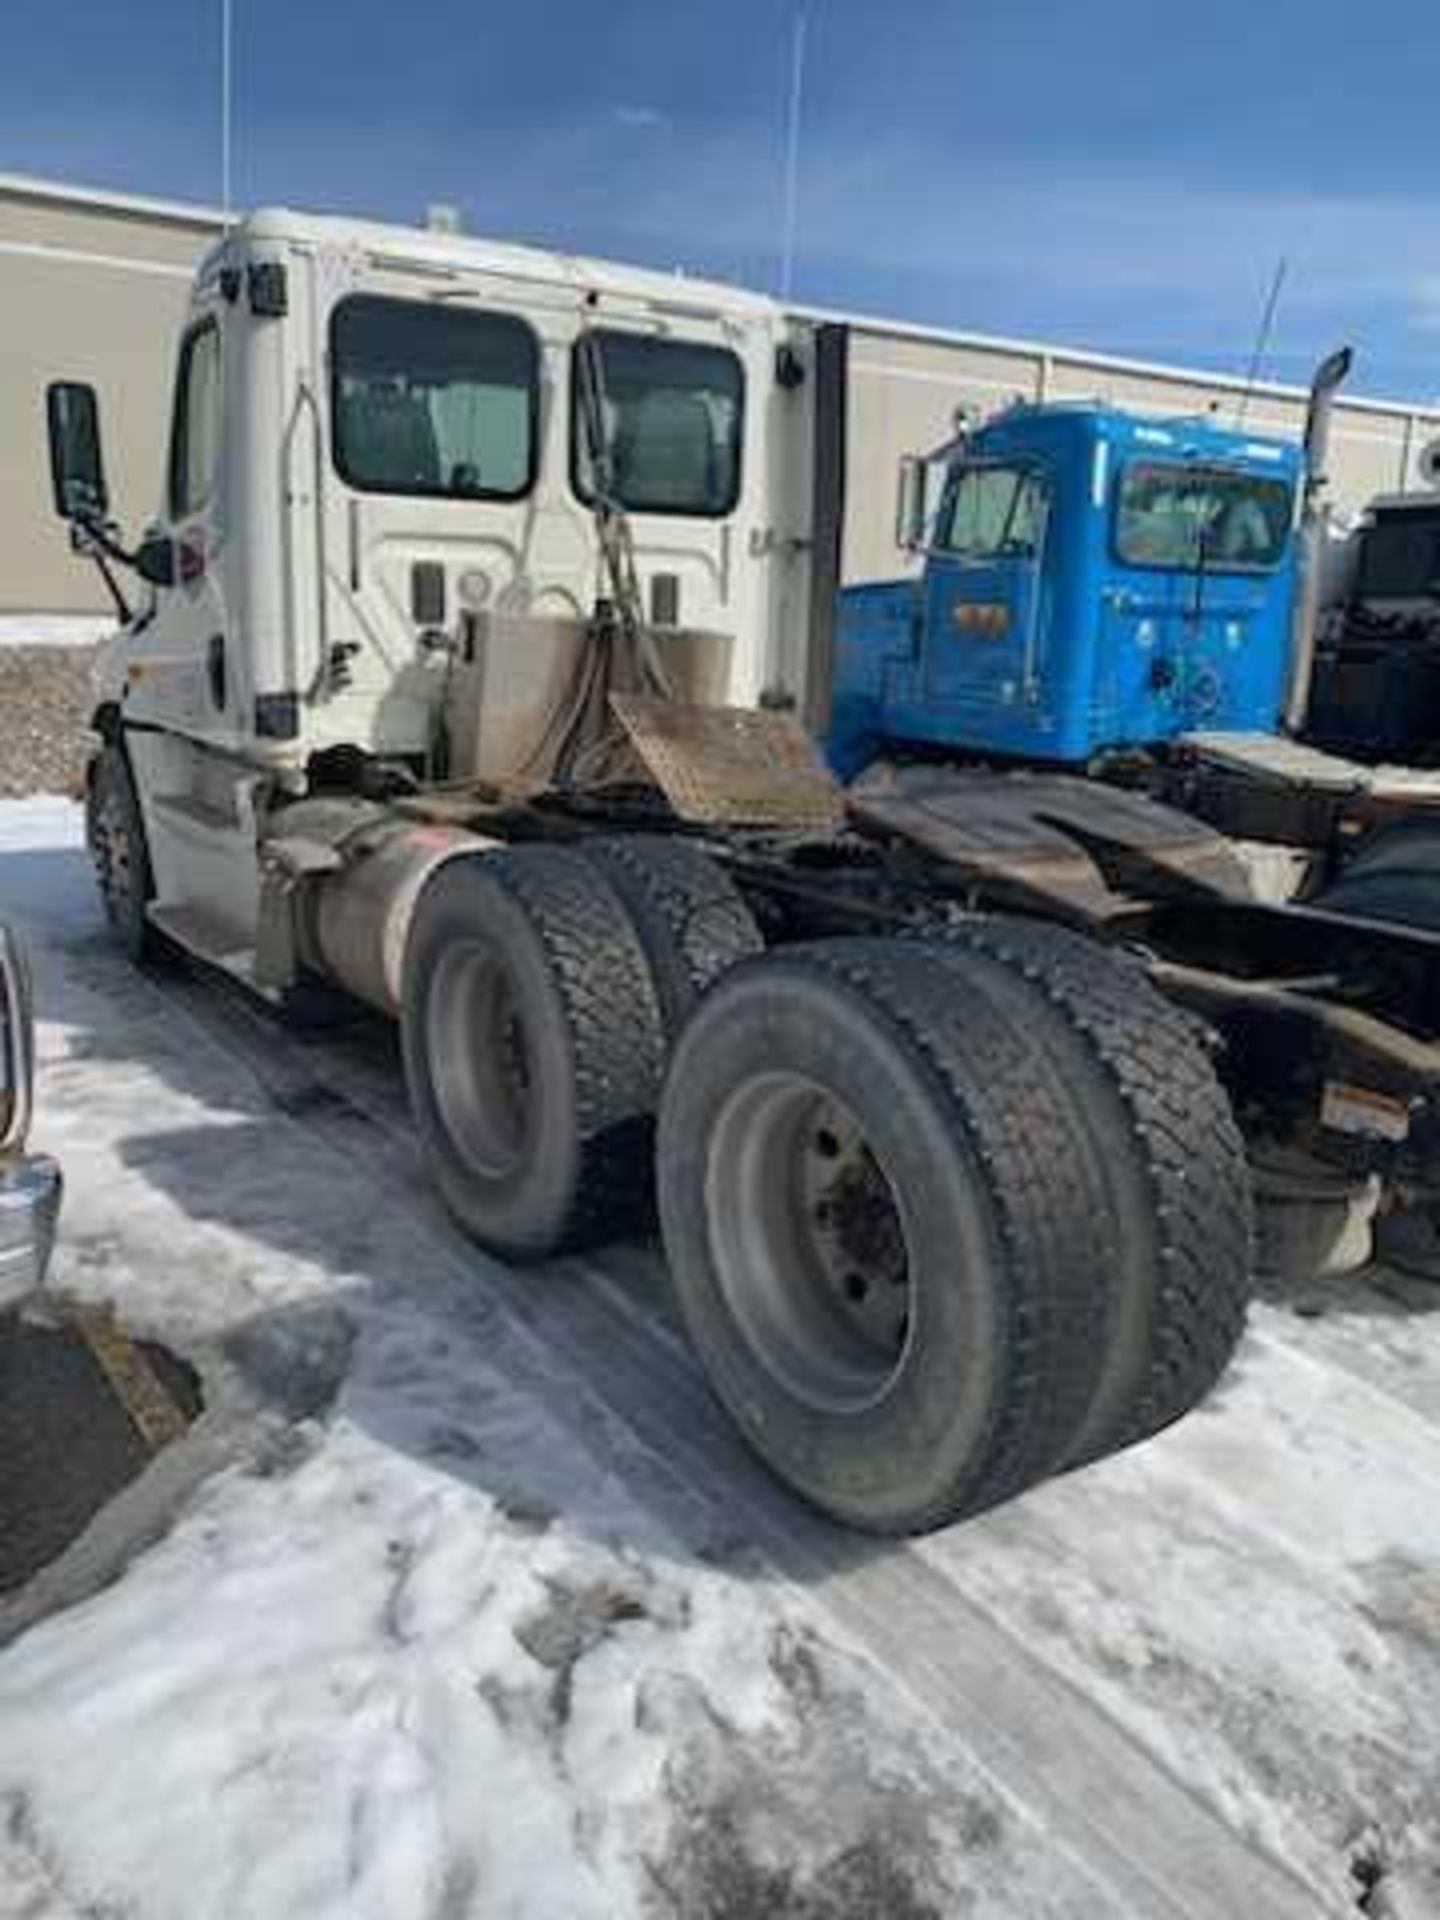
x=488, y=595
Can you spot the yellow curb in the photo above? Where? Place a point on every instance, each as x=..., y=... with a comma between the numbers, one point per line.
x=135, y=1383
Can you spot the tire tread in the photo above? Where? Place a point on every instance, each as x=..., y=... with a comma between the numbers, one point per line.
x=1185, y=1140
x=602, y=979
x=689, y=913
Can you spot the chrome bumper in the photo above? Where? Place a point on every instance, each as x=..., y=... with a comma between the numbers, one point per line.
x=29, y=1209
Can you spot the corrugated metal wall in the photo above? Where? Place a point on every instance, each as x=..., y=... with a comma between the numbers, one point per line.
x=906, y=384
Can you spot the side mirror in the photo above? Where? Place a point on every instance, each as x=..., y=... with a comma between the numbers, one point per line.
x=910, y=504
x=16, y=1044
x=77, y=466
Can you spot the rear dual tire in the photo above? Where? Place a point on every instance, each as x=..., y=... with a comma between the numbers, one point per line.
x=1048, y=1142
x=943, y=1217
x=533, y=1050
x=543, y=988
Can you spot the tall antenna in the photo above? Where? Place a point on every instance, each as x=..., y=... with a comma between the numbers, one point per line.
x=1262, y=338
x=225, y=48
x=792, y=157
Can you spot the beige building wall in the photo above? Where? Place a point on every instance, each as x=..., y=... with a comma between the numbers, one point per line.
x=93, y=286
x=906, y=383
x=94, y=289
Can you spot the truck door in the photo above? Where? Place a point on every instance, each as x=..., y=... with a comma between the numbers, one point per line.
x=984, y=606
x=186, y=669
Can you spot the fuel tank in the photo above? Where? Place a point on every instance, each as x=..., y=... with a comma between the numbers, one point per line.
x=364, y=868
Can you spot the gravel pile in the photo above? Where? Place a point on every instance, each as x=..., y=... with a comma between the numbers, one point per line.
x=44, y=706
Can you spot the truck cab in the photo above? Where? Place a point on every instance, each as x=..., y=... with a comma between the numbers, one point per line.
x=1377, y=670
x=375, y=553
x=1091, y=582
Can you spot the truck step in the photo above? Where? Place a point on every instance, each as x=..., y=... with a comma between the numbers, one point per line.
x=206, y=937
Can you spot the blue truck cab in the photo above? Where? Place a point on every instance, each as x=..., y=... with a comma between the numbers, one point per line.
x=1093, y=581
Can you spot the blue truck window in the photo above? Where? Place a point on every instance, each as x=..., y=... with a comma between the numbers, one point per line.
x=1174, y=515
x=993, y=512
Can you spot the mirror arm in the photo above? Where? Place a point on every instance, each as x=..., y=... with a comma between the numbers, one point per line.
x=107, y=574
x=93, y=535
x=94, y=539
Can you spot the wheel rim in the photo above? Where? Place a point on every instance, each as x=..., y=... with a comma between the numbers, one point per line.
x=479, y=1061
x=808, y=1240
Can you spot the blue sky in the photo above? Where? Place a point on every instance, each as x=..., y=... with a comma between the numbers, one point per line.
x=1123, y=174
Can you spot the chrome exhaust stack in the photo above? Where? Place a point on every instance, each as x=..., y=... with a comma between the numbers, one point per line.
x=1330, y=376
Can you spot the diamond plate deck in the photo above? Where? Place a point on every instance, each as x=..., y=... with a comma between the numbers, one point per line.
x=731, y=766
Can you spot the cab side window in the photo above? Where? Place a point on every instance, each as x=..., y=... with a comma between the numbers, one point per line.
x=195, y=433
x=993, y=513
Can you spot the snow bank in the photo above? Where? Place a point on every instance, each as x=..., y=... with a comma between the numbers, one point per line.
x=55, y=629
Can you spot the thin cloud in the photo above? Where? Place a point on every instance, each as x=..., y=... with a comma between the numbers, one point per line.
x=637, y=118
x=1162, y=265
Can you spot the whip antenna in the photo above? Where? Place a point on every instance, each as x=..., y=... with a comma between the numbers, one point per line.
x=792, y=157
x=225, y=50
x=1262, y=338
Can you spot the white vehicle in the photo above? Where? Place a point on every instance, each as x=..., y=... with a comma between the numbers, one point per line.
x=488, y=593
x=29, y=1182
x=377, y=503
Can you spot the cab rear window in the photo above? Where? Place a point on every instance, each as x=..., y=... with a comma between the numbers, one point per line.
x=673, y=418
x=433, y=400
x=1173, y=515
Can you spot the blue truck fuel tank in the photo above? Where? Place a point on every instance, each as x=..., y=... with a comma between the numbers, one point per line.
x=1092, y=581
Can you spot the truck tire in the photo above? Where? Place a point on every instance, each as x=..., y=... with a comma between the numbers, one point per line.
x=872, y=1208
x=1168, y=1169
x=533, y=1049
x=691, y=918
x=115, y=836
x=1394, y=874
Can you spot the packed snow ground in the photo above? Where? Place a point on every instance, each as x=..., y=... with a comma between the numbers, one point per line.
x=485, y=1613
x=55, y=629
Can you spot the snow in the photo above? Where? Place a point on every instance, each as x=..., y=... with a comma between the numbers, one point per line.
x=55, y=629
x=485, y=1614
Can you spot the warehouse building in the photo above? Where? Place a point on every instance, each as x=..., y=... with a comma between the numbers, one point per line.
x=93, y=286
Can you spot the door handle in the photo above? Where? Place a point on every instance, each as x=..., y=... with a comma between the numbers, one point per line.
x=215, y=671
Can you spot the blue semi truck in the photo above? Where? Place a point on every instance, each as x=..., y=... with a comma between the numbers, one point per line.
x=1093, y=583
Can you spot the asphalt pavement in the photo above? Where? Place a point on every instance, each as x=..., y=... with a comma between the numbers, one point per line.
x=81, y=1413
